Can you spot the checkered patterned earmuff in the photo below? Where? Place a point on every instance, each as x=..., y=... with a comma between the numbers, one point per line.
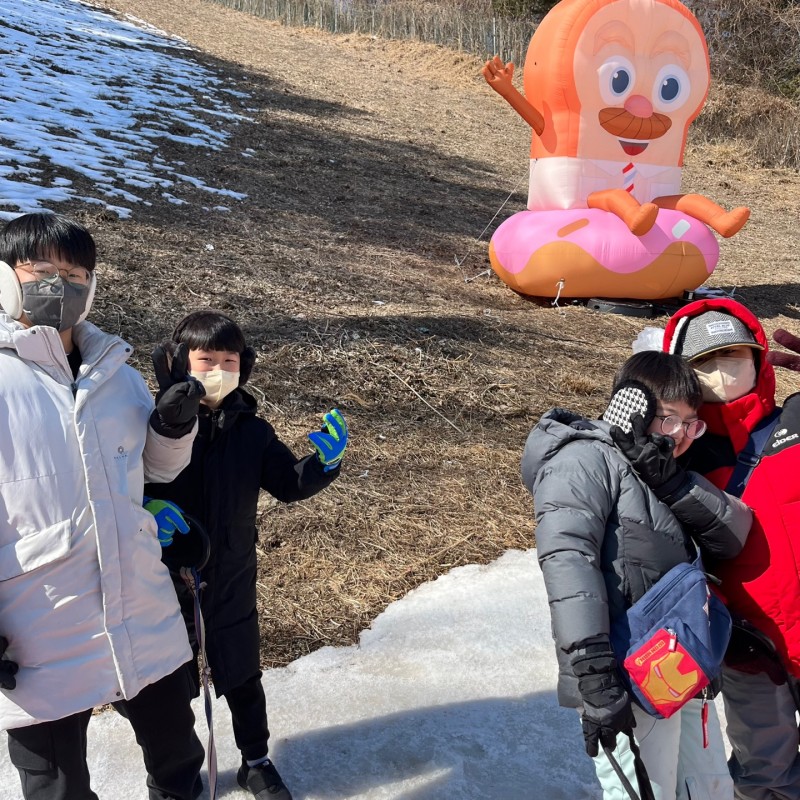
x=630, y=398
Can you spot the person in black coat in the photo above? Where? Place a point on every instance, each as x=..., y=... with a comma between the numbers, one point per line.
x=235, y=455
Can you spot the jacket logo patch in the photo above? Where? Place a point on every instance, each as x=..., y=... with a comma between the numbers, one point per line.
x=782, y=432
x=779, y=442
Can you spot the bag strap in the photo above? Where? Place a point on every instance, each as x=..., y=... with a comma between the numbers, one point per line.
x=750, y=456
x=191, y=577
x=642, y=778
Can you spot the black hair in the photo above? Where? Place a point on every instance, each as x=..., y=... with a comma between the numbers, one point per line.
x=43, y=234
x=667, y=376
x=209, y=330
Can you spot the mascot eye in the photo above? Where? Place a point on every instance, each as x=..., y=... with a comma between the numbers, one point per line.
x=617, y=77
x=620, y=81
x=671, y=88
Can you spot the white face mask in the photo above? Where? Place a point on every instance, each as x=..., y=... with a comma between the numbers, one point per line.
x=725, y=379
x=218, y=383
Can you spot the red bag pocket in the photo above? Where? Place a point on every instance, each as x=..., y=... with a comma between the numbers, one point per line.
x=665, y=672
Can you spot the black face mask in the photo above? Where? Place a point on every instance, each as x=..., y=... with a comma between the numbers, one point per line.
x=55, y=303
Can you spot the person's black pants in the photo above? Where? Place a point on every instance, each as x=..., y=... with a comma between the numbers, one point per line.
x=51, y=756
x=249, y=717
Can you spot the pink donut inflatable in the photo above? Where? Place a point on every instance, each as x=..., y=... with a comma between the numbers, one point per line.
x=586, y=252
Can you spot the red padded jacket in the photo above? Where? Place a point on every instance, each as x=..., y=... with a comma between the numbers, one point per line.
x=763, y=582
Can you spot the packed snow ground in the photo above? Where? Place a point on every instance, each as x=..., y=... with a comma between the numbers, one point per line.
x=450, y=695
x=86, y=94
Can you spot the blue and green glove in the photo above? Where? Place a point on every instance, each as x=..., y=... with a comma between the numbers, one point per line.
x=331, y=440
x=169, y=519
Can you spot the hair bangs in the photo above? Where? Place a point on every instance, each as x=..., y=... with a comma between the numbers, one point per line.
x=209, y=330
x=669, y=377
x=43, y=235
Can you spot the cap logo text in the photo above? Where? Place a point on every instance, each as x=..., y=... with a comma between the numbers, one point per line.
x=719, y=327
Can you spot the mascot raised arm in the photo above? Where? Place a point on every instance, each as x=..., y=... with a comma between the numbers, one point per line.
x=611, y=87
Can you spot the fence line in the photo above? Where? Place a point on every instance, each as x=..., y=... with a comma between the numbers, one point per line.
x=750, y=41
x=751, y=44
x=452, y=27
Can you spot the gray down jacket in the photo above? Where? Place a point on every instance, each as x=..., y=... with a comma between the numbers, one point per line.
x=603, y=538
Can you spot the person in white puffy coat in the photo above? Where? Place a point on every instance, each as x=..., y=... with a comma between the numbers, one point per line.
x=88, y=613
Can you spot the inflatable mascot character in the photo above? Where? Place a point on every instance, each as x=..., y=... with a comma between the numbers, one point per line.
x=611, y=87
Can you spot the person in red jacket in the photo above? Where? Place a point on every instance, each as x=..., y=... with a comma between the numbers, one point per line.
x=752, y=448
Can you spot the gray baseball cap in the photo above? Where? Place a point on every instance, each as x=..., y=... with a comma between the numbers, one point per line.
x=713, y=330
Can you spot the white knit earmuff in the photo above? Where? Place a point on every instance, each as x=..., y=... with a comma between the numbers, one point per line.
x=11, y=292
x=89, y=297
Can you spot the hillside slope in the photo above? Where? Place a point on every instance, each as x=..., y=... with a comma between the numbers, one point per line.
x=370, y=167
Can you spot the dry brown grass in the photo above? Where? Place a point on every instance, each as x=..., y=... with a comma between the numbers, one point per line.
x=764, y=125
x=752, y=42
x=377, y=165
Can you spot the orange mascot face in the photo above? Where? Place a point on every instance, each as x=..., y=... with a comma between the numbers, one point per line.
x=629, y=78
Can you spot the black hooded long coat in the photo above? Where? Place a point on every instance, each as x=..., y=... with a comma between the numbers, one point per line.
x=235, y=455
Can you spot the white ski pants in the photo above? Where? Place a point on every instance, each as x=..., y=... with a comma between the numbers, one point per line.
x=680, y=768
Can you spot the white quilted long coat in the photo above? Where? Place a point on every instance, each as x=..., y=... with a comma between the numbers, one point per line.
x=85, y=602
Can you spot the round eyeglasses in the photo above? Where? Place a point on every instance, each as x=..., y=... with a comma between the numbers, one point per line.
x=672, y=423
x=45, y=271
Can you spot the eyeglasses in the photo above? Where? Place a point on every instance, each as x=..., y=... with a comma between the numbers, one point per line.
x=45, y=271
x=671, y=424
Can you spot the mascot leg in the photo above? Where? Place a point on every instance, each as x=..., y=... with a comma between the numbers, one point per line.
x=725, y=223
x=639, y=218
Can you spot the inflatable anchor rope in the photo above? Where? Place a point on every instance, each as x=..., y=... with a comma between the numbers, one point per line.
x=460, y=263
x=560, y=287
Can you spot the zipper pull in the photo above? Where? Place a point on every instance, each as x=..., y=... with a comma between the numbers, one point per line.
x=673, y=640
x=704, y=718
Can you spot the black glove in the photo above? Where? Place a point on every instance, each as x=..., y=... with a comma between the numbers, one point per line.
x=790, y=342
x=179, y=395
x=606, y=704
x=651, y=456
x=8, y=669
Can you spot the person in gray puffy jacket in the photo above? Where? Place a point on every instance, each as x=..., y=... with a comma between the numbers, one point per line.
x=614, y=513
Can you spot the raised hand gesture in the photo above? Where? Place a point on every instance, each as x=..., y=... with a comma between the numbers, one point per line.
x=499, y=75
x=790, y=342
x=331, y=440
x=179, y=395
x=651, y=456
